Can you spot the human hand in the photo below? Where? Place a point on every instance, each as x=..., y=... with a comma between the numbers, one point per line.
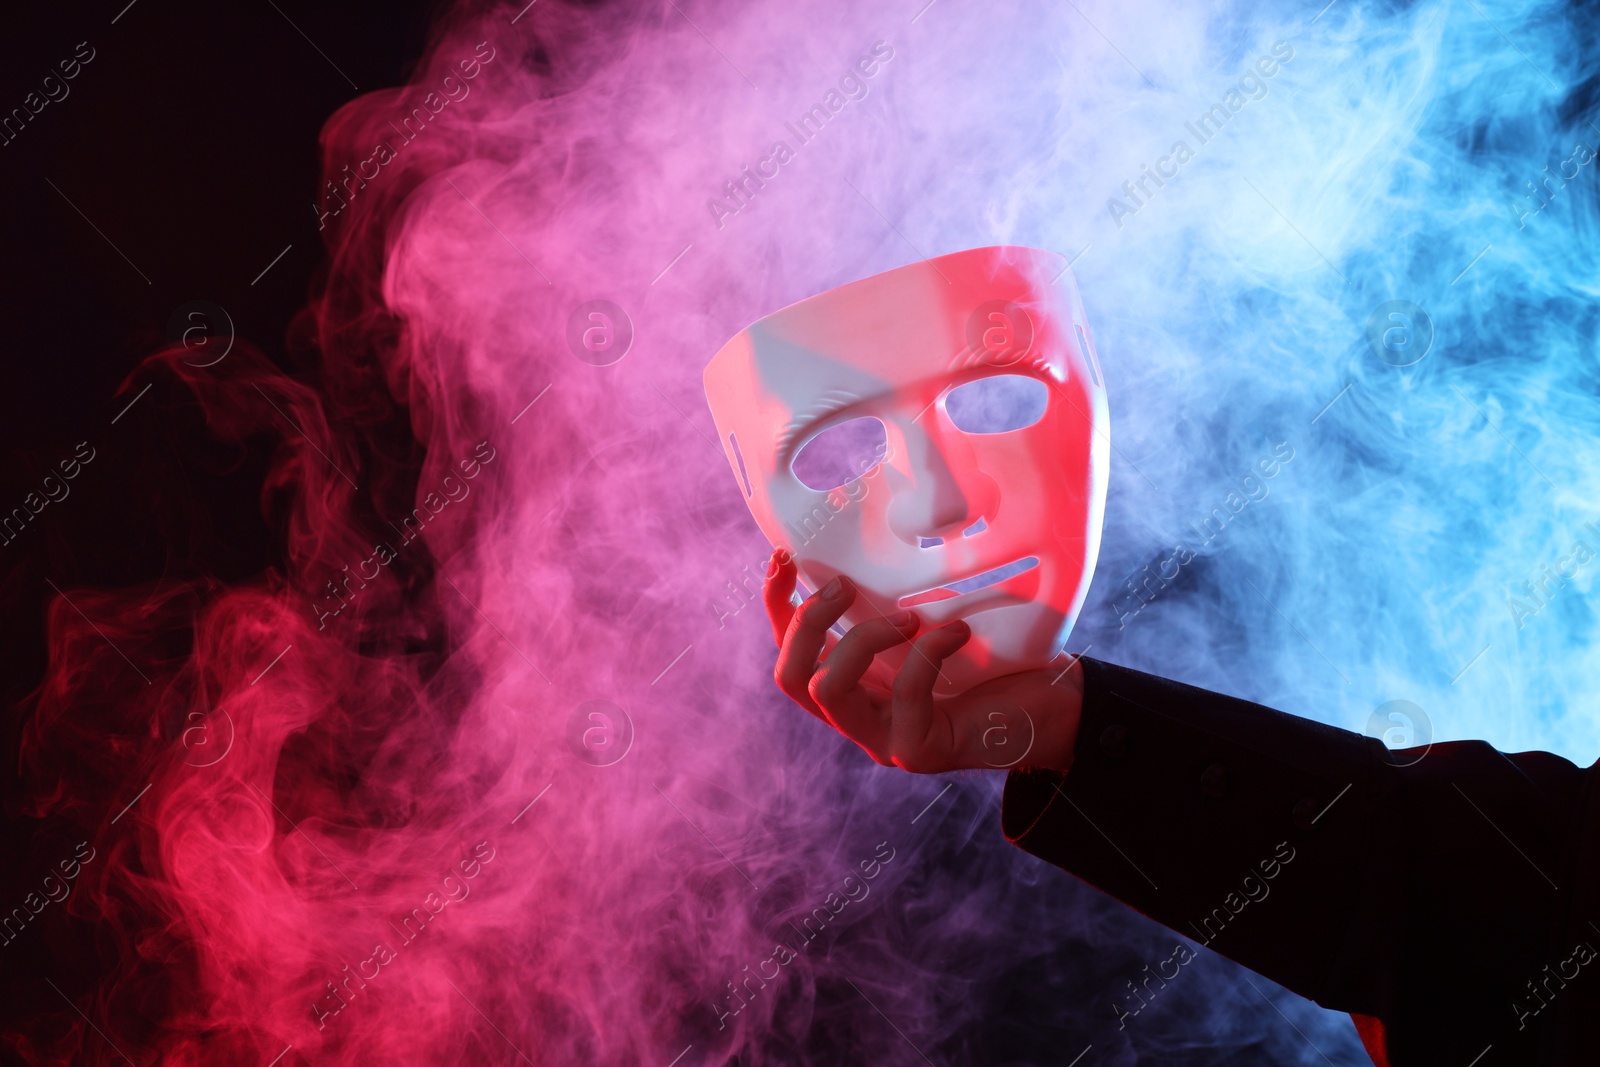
x=1030, y=717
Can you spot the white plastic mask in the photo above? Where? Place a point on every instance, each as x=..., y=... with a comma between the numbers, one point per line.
x=991, y=456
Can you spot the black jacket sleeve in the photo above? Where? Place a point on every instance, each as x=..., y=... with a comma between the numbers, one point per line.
x=1450, y=892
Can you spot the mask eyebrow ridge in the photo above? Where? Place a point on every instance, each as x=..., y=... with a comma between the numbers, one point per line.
x=828, y=403
x=970, y=357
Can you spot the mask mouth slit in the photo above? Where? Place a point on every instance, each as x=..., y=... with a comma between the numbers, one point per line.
x=990, y=577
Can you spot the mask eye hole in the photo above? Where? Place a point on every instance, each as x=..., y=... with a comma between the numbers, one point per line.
x=841, y=453
x=997, y=404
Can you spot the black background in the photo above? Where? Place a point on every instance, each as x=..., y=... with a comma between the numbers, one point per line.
x=190, y=143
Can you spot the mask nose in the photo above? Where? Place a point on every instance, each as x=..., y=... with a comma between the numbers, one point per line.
x=941, y=491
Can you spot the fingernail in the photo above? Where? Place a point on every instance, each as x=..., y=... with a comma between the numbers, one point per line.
x=901, y=619
x=959, y=628
x=833, y=589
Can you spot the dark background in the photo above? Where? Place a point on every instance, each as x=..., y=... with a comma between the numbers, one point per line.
x=190, y=142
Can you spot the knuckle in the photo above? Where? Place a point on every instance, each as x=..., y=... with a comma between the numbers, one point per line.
x=812, y=612
x=788, y=682
x=856, y=644
x=907, y=685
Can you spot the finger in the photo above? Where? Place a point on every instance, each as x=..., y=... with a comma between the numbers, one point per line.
x=778, y=593
x=911, y=709
x=861, y=716
x=808, y=632
x=837, y=686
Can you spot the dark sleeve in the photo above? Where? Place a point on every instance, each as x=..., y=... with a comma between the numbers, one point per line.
x=1425, y=887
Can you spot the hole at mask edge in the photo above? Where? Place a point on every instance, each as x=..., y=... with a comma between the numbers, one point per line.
x=1088, y=354
x=738, y=459
x=841, y=453
x=999, y=403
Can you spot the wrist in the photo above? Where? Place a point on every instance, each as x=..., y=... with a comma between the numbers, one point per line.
x=1058, y=720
